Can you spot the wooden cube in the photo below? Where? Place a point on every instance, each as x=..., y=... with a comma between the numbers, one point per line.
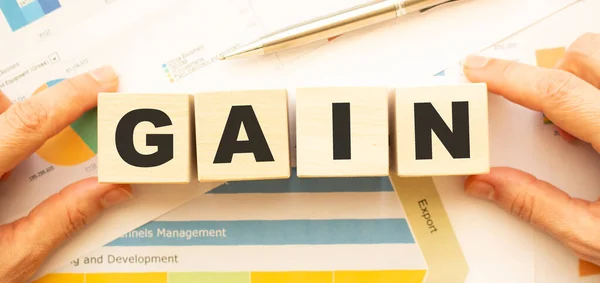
x=441, y=130
x=342, y=132
x=145, y=138
x=242, y=135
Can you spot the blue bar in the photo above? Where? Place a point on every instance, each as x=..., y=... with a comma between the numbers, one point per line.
x=270, y=232
x=441, y=74
x=307, y=185
x=12, y=13
x=32, y=11
x=53, y=82
x=49, y=5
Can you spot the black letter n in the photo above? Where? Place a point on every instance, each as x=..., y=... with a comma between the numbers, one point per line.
x=256, y=143
x=456, y=141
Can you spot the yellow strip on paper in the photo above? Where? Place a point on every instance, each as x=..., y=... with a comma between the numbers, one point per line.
x=379, y=276
x=432, y=229
x=292, y=277
x=62, y=278
x=158, y=277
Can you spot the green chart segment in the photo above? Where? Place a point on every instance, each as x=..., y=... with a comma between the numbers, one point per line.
x=75, y=144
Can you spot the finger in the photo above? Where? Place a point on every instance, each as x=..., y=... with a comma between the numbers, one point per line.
x=569, y=102
x=542, y=205
x=4, y=102
x=31, y=239
x=582, y=58
x=26, y=125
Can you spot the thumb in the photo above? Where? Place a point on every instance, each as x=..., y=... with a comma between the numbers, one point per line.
x=31, y=239
x=571, y=221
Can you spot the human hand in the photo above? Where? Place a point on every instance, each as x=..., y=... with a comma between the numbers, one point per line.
x=24, y=127
x=569, y=96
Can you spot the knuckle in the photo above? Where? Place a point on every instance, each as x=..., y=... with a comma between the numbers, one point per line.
x=26, y=117
x=523, y=205
x=556, y=86
x=77, y=86
x=509, y=68
x=76, y=220
x=584, y=247
x=586, y=46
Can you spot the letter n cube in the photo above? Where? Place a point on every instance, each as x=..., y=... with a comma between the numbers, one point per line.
x=145, y=138
x=441, y=130
x=242, y=135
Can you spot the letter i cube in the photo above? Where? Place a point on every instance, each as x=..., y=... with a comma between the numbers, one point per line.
x=145, y=138
x=342, y=132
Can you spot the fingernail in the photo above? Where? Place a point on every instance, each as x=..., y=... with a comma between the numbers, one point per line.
x=106, y=76
x=475, y=62
x=481, y=189
x=116, y=196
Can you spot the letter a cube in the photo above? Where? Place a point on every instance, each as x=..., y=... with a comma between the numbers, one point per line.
x=342, y=132
x=145, y=138
x=441, y=130
x=242, y=135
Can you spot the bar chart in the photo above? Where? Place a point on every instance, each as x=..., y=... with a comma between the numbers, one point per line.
x=20, y=13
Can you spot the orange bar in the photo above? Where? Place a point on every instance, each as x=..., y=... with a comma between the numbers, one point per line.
x=548, y=58
x=588, y=268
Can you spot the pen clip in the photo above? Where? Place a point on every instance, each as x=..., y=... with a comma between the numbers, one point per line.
x=434, y=6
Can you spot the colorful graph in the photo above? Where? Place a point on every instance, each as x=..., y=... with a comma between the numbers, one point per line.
x=75, y=144
x=367, y=276
x=20, y=13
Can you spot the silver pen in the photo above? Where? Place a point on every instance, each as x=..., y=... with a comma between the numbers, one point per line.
x=332, y=25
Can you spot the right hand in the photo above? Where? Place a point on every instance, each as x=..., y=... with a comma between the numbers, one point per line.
x=569, y=95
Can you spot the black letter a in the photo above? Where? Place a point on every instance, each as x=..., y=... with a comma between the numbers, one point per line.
x=256, y=142
x=456, y=141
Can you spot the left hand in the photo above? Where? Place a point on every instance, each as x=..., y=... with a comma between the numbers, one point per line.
x=24, y=127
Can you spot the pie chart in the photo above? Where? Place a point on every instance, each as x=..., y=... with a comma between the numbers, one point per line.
x=75, y=144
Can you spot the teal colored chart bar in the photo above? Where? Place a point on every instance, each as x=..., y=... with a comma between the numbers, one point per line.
x=32, y=11
x=19, y=17
x=269, y=232
x=12, y=14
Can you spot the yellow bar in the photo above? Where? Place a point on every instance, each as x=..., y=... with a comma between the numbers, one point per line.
x=379, y=276
x=292, y=277
x=548, y=58
x=61, y=278
x=126, y=278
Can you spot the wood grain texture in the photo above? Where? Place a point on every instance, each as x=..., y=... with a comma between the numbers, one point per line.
x=270, y=110
x=112, y=168
x=367, y=130
x=465, y=132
